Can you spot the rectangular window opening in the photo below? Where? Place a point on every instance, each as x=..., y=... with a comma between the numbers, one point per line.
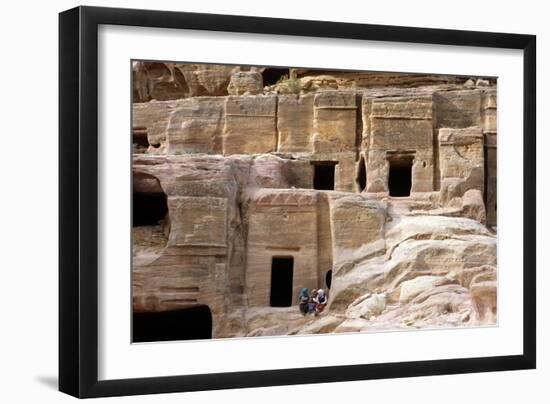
x=323, y=175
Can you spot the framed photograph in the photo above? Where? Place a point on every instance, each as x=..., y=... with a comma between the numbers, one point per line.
x=251, y=201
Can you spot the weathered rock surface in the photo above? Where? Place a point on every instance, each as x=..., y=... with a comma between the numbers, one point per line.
x=170, y=81
x=382, y=264
x=367, y=306
x=245, y=83
x=380, y=188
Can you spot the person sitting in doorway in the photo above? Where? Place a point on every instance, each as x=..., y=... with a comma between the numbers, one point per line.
x=303, y=301
x=321, y=302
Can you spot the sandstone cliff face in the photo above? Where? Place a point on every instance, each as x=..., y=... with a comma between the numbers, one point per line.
x=170, y=81
x=381, y=187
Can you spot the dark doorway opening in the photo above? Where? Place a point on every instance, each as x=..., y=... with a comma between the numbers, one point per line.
x=148, y=208
x=400, y=178
x=328, y=278
x=361, y=175
x=190, y=323
x=273, y=75
x=139, y=136
x=140, y=141
x=282, y=273
x=323, y=175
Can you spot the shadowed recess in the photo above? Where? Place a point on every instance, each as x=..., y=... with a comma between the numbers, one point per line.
x=328, y=278
x=361, y=175
x=400, y=178
x=323, y=175
x=282, y=272
x=149, y=208
x=190, y=323
x=272, y=76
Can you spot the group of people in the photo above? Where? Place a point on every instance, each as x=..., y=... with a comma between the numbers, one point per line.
x=314, y=303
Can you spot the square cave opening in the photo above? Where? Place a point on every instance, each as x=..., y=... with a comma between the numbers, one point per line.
x=140, y=141
x=148, y=208
x=323, y=175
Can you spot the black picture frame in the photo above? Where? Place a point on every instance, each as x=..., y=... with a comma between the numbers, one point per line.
x=78, y=201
